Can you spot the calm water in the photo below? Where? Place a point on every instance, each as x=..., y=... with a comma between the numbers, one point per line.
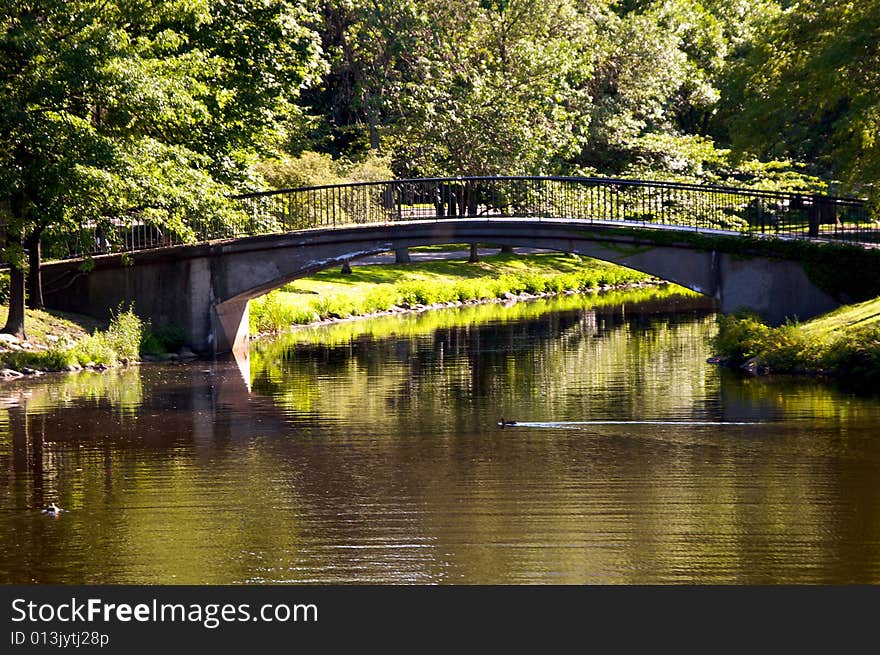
x=370, y=452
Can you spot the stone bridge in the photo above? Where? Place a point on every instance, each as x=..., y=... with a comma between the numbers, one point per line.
x=674, y=232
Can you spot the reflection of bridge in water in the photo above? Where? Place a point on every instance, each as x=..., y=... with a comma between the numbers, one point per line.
x=670, y=230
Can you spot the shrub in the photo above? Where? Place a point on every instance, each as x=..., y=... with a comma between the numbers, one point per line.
x=465, y=290
x=95, y=349
x=124, y=335
x=787, y=349
x=334, y=307
x=417, y=292
x=380, y=299
x=171, y=337
x=531, y=283
x=856, y=357
x=270, y=314
x=739, y=336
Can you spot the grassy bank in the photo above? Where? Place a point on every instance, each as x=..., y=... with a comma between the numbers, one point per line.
x=378, y=288
x=59, y=341
x=844, y=344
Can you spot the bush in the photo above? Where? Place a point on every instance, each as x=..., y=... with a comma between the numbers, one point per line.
x=380, y=299
x=334, y=307
x=95, y=349
x=417, y=292
x=787, y=349
x=151, y=345
x=55, y=359
x=465, y=290
x=170, y=337
x=531, y=283
x=124, y=335
x=270, y=314
x=856, y=357
x=739, y=336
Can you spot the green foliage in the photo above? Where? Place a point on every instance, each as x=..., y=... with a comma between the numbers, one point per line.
x=805, y=89
x=856, y=358
x=123, y=336
x=851, y=352
x=740, y=336
x=373, y=289
x=496, y=88
x=269, y=314
x=115, y=114
x=170, y=337
x=318, y=169
x=162, y=339
x=120, y=343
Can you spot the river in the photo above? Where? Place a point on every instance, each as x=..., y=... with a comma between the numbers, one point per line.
x=370, y=451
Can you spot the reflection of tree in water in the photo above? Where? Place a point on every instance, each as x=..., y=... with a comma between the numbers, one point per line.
x=537, y=361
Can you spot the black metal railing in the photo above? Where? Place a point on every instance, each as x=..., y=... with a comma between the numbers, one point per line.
x=597, y=200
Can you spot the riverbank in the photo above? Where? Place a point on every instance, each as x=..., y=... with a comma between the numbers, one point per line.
x=59, y=341
x=843, y=344
x=374, y=290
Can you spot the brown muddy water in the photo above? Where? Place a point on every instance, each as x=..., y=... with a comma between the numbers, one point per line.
x=371, y=452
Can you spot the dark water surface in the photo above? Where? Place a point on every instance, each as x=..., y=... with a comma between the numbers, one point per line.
x=370, y=452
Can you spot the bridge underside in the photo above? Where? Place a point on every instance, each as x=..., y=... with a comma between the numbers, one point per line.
x=205, y=289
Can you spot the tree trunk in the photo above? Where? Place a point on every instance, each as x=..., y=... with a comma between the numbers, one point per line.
x=475, y=256
x=15, y=321
x=34, y=274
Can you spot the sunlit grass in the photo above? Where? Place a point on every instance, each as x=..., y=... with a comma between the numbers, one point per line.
x=844, y=343
x=375, y=288
x=426, y=323
x=42, y=324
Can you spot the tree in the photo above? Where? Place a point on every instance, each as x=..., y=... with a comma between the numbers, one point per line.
x=500, y=89
x=111, y=110
x=809, y=89
x=372, y=48
x=659, y=66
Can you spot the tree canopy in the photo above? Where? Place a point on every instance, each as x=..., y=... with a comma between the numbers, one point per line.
x=114, y=111
x=111, y=109
x=808, y=88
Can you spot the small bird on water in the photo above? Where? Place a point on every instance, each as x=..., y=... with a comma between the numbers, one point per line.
x=52, y=510
x=503, y=424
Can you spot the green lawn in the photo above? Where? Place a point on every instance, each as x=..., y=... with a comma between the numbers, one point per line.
x=41, y=325
x=373, y=288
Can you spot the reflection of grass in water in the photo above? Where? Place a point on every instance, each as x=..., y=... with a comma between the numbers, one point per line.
x=120, y=387
x=423, y=323
x=362, y=371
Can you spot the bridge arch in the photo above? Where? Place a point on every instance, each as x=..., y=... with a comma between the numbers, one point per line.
x=205, y=288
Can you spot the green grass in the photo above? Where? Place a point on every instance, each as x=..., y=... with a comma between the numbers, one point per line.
x=844, y=344
x=42, y=325
x=60, y=341
x=370, y=289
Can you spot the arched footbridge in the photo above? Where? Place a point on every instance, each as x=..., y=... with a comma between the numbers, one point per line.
x=741, y=246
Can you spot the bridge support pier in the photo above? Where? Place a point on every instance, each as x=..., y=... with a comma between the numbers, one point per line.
x=230, y=327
